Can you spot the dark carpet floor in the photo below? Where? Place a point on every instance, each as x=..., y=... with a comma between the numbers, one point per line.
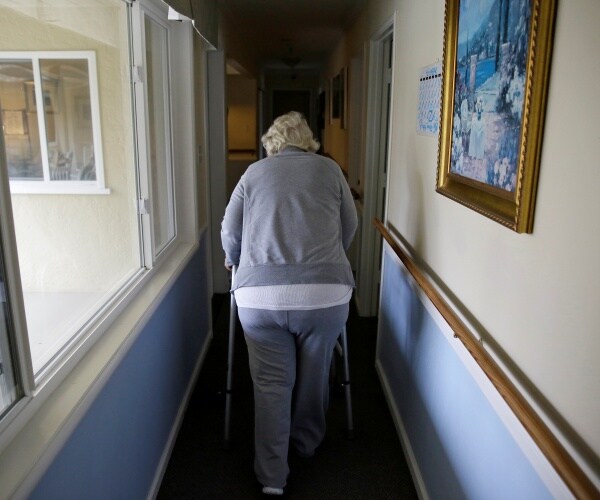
x=370, y=466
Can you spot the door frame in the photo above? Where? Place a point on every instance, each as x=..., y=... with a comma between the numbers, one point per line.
x=367, y=282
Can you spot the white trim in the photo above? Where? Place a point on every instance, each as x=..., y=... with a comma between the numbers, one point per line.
x=45, y=54
x=168, y=450
x=57, y=187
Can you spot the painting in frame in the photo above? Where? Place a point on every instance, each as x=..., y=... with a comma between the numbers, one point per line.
x=338, y=98
x=49, y=97
x=495, y=77
x=334, y=105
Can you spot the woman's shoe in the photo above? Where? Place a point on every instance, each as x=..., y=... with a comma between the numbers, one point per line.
x=269, y=490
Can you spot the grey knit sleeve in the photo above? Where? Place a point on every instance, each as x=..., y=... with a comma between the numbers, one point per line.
x=232, y=224
x=348, y=214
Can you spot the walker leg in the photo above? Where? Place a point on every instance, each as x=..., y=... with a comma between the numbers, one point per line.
x=229, y=386
x=346, y=385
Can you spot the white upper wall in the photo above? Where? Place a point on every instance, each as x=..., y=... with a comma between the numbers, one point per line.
x=536, y=295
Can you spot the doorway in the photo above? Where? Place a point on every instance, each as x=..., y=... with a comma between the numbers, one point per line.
x=285, y=101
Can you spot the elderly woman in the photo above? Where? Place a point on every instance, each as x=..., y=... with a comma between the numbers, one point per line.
x=287, y=226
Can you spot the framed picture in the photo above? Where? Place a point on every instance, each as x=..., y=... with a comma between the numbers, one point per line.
x=343, y=97
x=334, y=105
x=494, y=85
x=338, y=98
x=49, y=97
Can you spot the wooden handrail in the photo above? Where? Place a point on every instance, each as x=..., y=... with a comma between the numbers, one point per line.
x=570, y=472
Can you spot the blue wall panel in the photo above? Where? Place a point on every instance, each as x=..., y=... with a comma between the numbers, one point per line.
x=115, y=450
x=461, y=446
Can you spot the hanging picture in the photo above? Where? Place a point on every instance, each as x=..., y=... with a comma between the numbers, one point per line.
x=338, y=98
x=495, y=78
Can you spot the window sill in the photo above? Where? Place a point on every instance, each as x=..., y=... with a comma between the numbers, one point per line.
x=44, y=422
x=57, y=187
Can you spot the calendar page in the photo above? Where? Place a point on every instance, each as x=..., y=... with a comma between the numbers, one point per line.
x=430, y=88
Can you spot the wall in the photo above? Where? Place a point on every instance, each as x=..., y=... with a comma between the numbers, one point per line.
x=533, y=298
x=119, y=446
x=463, y=439
x=241, y=114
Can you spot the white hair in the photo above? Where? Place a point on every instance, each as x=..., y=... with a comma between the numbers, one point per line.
x=290, y=129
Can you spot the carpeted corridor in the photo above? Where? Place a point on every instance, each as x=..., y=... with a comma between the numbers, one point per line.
x=370, y=466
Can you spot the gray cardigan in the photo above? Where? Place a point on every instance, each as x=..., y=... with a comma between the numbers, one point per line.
x=290, y=220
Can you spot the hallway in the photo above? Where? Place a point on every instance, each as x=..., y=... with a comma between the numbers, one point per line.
x=485, y=350
x=370, y=466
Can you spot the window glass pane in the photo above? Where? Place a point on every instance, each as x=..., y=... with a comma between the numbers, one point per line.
x=68, y=119
x=75, y=250
x=8, y=379
x=8, y=385
x=20, y=126
x=159, y=126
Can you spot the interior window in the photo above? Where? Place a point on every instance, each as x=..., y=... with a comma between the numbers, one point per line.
x=56, y=146
x=152, y=60
x=68, y=126
x=159, y=131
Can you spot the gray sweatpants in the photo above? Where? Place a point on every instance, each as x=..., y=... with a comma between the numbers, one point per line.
x=289, y=351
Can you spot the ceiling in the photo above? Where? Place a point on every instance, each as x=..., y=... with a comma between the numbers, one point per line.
x=284, y=33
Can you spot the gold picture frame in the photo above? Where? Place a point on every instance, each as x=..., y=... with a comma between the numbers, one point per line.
x=494, y=85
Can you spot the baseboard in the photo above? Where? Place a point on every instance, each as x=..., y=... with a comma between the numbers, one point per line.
x=166, y=455
x=404, y=441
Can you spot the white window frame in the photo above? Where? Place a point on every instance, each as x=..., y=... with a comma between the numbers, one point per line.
x=47, y=186
x=141, y=10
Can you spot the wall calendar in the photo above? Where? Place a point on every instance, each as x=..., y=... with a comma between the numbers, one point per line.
x=430, y=89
